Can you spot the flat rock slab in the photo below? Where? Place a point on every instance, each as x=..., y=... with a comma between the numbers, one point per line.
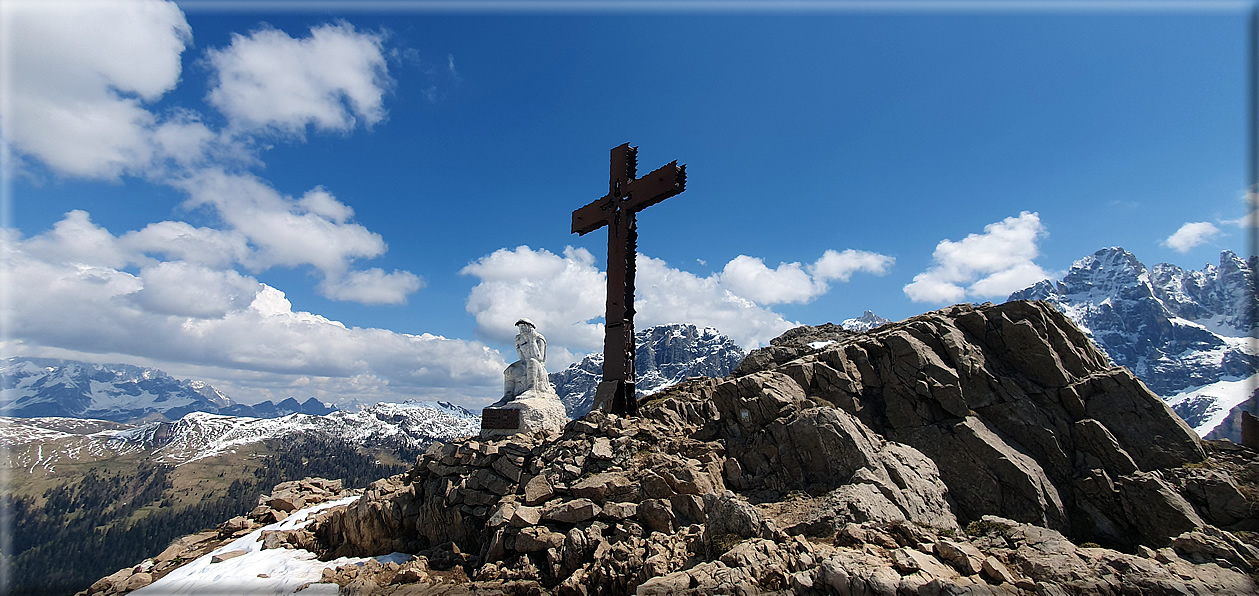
x=574, y=511
x=231, y=554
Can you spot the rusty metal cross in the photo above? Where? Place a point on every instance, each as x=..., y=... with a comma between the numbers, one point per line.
x=626, y=196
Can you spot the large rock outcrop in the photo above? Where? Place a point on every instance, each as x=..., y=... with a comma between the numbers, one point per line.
x=1022, y=415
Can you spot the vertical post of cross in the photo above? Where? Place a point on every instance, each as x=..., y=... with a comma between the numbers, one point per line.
x=617, y=210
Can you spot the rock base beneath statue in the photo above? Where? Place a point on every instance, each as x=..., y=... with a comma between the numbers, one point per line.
x=535, y=411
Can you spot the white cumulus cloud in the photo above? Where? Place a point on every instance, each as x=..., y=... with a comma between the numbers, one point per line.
x=180, y=241
x=372, y=286
x=560, y=294
x=1190, y=235
x=78, y=75
x=749, y=277
x=839, y=266
x=189, y=290
x=281, y=230
x=330, y=80
x=995, y=263
x=564, y=294
x=670, y=295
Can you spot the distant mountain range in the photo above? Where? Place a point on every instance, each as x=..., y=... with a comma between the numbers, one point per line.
x=404, y=428
x=48, y=387
x=1189, y=335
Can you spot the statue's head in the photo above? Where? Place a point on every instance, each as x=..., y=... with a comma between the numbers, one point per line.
x=522, y=323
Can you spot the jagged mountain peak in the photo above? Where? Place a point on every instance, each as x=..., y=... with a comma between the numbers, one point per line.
x=1105, y=270
x=664, y=355
x=1182, y=332
x=1218, y=297
x=867, y=321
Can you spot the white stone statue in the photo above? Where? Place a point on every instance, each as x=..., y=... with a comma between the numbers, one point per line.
x=529, y=372
x=527, y=387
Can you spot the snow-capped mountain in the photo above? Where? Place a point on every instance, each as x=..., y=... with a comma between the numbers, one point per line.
x=47, y=387
x=410, y=426
x=664, y=355
x=1187, y=334
x=403, y=427
x=32, y=444
x=867, y=321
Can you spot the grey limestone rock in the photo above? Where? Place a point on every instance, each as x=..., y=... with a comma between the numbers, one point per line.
x=1011, y=403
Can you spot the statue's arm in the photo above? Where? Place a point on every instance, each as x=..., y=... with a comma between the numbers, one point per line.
x=542, y=344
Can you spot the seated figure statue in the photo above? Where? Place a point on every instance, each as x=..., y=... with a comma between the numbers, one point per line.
x=529, y=372
x=527, y=390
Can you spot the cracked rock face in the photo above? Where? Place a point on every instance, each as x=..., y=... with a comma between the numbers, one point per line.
x=967, y=449
x=1022, y=416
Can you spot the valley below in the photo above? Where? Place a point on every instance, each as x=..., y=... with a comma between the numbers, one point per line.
x=86, y=497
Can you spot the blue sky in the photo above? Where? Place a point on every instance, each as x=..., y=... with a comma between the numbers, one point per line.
x=405, y=177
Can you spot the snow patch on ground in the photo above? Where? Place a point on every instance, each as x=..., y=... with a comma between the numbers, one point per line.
x=287, y=570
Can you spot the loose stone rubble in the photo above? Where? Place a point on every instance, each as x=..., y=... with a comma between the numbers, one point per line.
x=979, y=450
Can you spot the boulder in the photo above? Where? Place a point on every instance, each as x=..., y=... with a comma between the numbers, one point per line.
x=605, y=486
x=658, y=515
x=962, y=556
x=728, y=515
x=536, y=538
x=571, y=512
x=537, y=490
x=137, y=581
x=523, y=517
x=1162, y=512
x=231, y=554
x=1220, y=498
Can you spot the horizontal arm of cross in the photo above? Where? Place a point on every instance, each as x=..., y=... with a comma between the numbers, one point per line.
x=655, y=187
x=593, y=216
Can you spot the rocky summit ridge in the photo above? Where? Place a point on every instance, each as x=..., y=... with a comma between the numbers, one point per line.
x=985, y=450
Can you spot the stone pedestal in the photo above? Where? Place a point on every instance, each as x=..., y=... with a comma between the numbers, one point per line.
x=538, y=411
